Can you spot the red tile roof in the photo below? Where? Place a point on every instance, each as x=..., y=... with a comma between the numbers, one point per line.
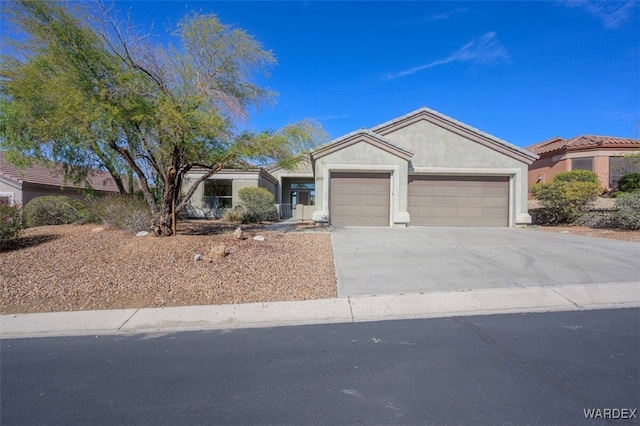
x=40, y=175
x=583, y=142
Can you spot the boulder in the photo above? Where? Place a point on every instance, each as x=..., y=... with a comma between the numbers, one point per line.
x=239, y=233
x=142, y=234
x=217, y=252
x=259, y=238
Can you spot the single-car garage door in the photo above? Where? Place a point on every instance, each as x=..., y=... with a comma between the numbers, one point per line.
x=359, y=199
x=459, y=200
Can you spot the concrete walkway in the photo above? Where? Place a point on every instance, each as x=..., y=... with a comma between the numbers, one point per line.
x=339, y=310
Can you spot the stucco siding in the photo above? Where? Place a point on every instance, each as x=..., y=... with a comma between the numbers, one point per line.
x=362, y=157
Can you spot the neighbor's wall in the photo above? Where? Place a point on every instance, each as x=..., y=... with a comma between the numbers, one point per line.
x=545, y=169
x=13, y=188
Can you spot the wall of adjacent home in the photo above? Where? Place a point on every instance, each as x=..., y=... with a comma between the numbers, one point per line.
x=12, y=188
x=545, y=169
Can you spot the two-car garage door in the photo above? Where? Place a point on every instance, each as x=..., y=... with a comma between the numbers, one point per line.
x=459, y=200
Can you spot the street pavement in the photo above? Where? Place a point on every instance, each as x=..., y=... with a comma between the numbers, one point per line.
x=526, y=369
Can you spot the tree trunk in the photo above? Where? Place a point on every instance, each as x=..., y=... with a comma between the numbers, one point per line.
x=163, y=224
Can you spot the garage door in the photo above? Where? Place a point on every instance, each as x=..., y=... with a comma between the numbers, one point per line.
x=459, y=200
x=359, y=199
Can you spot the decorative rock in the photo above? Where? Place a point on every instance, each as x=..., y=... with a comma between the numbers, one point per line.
x=98, y=229
x=142, y=234
x=259, y=238
x=239, y=233
x=564, y=232
x=218, y=252
x=198, y=257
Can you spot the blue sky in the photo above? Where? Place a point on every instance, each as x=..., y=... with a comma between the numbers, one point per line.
x=521, y=71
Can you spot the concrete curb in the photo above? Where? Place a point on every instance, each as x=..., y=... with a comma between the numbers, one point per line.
x=324, y=311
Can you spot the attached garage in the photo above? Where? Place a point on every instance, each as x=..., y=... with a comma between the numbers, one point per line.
x=359, y=199
x=437, y=200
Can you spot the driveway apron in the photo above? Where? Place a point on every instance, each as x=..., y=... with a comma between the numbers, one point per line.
x=383, y=260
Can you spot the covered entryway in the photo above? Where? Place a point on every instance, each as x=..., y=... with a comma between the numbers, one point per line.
x=458, y=200
x=359, y=199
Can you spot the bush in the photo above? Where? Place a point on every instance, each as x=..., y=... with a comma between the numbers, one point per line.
x=233, y=215
x=126, y=212
x=566, y=197
x=629, y=183
x=11, y=224
x=577, y=176
x=627, y=215
x=258, y=205
x=55, y=210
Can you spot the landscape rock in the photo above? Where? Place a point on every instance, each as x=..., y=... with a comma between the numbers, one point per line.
x=259, y=238
x=98, y=229
x=217, y=252
x=198, y=257
x=142, y=234
x=239, y=233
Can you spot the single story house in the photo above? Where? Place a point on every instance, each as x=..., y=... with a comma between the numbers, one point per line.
x=607, y=156
x=423, y=168
x=19, y=186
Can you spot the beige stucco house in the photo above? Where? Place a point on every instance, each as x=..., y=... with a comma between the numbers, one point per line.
x=607, y=156
x=423, y=168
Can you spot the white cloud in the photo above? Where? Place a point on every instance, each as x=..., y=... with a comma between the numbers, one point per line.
x=613, y=14
x=483, y=50
x=443, y=16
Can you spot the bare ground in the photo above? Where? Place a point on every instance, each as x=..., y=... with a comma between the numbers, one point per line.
x=69, y=268
x=614, y=234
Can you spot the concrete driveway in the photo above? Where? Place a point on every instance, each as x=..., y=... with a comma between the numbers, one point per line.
x=381, y=260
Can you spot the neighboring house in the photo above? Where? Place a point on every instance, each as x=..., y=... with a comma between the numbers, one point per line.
x=607, y=156
x=19, y=186
x=421, y=169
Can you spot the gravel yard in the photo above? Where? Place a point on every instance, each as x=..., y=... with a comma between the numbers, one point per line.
x=614, y=234
x=69, y=268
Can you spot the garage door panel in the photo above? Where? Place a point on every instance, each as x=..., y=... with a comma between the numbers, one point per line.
x=359, y=199
x=459, y=200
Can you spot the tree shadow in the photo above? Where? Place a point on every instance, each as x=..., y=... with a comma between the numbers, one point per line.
x=208, y=227
x=22, y=243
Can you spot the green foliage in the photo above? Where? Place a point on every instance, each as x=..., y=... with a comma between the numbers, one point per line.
x=258, y=205
x=11, y=224
x=86, y=91
x=577, y=176
x=627, y=213
x=566, y=197
x=126, y=212
x=55, y=210
x=629, y=183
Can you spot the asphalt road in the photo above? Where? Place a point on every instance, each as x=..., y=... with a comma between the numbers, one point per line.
x=501, y=369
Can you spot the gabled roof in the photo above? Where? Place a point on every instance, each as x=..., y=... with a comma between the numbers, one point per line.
x=362, y=135
x=38, y=174
x=583, y=142
x=456, y=127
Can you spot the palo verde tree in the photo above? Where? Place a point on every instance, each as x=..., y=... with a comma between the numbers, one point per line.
x=87, y=89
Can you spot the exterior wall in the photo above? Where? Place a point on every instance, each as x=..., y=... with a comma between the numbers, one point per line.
x=439, y=151
x=545, y=169
x=29, y=192
x=362, y=157
x=302, y=170
x=13, y=188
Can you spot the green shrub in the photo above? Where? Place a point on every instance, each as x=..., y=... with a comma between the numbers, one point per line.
x=577, y=176
x=55, y=210
x=258, y=205
x=11, y=224
x=627, y=213
x=126, y=212
x=566, y=197
x=629, y=183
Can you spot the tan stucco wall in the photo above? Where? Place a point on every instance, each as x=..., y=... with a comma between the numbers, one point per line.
x=437, y=150
x=545, y=169
x=360, y=157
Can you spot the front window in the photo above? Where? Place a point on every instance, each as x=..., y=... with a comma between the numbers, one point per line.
x=218, y=193
x=621, y=166
x=582, y=164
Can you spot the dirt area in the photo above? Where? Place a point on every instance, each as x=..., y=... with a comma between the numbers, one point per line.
x=69, y=268
x=614, y=234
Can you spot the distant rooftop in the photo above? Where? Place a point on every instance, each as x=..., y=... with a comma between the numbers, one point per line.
x=582, y=142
